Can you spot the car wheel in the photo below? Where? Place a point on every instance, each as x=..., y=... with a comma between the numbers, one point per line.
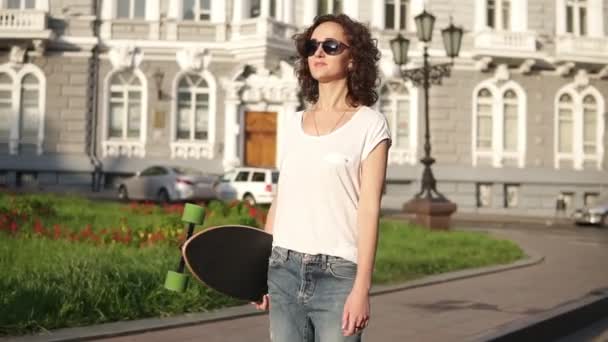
x=123, y=195
x=249, y=199
x=604, y=223
x=163, y=197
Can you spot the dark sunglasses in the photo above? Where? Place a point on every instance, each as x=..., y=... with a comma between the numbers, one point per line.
x=330, y=46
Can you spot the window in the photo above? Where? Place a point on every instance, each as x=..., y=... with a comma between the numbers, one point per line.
x=275, y=177
x=6, y=103
x=227, y=177
x=20, y=4
x=125, y=108
x=396, y=11
x=273, y=8
x=576, y=17
x=30, y=116
x=396, y=104
x=198, y=10
x=484, y=120
x=256, y=8
x=22, y=104
x=579, y=127
x=130, y=9
x=258, y=177
x=590, y=198
x=511, y=195
x=510, y=121
x=242, y=176
x=484, y=195
x=498, y=14
x=151, y=171
x=589, y=125
x=565, y=124
x=499, y=124
x=329, y=6
x=192, y=108
x=27, y=179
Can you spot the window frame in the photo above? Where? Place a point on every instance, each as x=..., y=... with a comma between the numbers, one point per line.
x=131, y=15
x=197, y=12
x=15, y=138
x=498, y=153
x=578, y=156
x=398, y=154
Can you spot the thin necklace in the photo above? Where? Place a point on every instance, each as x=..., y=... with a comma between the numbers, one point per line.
x=314, y=118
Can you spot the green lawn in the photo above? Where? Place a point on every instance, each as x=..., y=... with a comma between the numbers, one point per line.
x=67, y=261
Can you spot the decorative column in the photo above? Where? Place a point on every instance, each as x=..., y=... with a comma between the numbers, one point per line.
x=231, y=126
x=378, y=14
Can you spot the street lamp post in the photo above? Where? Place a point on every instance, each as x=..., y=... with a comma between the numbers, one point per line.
x=431, y=207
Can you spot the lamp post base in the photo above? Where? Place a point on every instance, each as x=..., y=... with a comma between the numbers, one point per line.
x=434, y=214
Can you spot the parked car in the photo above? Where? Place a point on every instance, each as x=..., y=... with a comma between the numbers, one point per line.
x=168, y=183
x=596, y=214
x=252, y=184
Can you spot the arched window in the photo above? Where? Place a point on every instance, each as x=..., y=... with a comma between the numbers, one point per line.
x=6, y=106
x=30, y=115
x=192, y=108
x=193, y=116
x=499, y=124
x=510, y=121
x=565, y=124
x=484, y=120
x=579, y=127
x=22, y=106
x=125, y=108
x=590, y=124
x=395, y=103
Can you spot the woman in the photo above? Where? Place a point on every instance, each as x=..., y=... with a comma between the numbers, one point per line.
x=324, y=218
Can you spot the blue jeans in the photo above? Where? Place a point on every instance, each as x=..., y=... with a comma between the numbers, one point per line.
x=307, y=295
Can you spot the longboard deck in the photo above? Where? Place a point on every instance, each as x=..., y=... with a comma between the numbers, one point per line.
x=231, y=259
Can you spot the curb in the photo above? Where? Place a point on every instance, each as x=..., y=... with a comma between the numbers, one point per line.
x=560, y=321
x=123, y=328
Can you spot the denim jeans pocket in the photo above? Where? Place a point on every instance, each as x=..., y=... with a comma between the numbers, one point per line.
x=278, y=257
x=343, y=269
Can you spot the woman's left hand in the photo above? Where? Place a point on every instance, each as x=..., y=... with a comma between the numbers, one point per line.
x=356, y=312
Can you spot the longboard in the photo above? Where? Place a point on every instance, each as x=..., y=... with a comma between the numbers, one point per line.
x=231, y=259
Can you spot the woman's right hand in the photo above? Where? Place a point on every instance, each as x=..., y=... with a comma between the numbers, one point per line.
x=264, y=304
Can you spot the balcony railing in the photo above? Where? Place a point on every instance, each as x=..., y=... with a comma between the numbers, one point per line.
x=505, y=42
x=583, y=48
x=261, y=27
x=24, y=24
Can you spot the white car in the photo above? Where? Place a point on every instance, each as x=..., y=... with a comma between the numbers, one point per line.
x=252, y=184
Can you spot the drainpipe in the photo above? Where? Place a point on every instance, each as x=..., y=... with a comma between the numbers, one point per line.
x=92, y=99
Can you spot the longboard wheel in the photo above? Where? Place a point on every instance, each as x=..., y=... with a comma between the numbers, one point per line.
x=193, y=213
x=176, y=281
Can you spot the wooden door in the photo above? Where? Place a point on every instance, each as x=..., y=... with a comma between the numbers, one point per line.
x=260, y=138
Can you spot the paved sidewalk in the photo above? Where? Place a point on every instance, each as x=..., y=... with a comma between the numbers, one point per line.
x=575, y=264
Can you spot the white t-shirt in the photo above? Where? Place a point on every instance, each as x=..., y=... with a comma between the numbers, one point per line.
x=320, y=181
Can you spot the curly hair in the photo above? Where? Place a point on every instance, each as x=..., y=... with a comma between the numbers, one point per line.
x=362, y=80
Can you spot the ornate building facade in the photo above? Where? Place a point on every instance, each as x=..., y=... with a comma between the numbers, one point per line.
x=109, y=87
